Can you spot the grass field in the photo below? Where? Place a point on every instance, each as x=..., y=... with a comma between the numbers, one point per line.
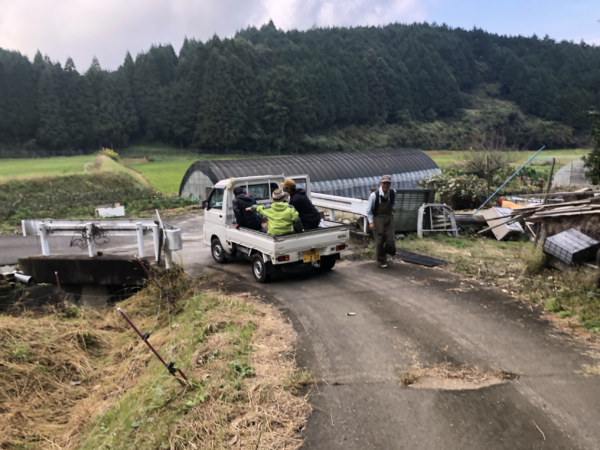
x=165, y=175
x=41, y=167
x=165, y=171
x=447, y=158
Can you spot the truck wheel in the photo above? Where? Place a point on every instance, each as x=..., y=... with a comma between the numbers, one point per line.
x=218, y=252
x=259, y=269
x=326, y=263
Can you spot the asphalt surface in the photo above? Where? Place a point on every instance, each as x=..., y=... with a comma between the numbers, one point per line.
x=409, y=314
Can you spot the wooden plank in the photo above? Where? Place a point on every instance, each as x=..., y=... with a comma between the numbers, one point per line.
x=566, y=214
x=507, y=222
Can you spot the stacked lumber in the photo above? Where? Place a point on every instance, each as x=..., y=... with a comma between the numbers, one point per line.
x=540, y=212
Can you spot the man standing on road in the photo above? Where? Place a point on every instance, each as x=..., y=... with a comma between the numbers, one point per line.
x=309, y=215
x=380, y=213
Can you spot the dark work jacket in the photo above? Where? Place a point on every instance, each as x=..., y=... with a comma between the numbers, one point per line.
x=309, y=215
x=247, y=219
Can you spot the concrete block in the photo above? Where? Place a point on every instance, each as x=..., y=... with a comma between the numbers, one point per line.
x=112, y=270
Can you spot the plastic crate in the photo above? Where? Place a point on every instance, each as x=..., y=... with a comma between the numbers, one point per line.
x=570, y=246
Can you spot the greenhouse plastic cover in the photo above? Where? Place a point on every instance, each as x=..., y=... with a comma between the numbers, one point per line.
x=351, y=174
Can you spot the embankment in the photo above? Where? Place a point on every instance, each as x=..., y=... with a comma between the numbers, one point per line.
x=82, y=379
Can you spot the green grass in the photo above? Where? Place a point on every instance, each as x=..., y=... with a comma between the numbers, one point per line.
x=165, y=172
x=43, y=167
x=448, y=158
x=166, y=175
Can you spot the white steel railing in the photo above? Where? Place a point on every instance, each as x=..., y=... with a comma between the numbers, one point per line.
x=345, y=204
x=45, y=228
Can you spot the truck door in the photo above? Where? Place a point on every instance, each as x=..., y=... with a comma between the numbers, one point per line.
x=214, y=215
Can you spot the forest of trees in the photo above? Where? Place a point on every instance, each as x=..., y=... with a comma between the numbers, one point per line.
x=268, y=90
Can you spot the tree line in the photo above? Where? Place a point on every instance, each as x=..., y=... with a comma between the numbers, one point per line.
x=270, y=90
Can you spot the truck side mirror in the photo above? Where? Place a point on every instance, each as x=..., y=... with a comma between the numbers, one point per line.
x=205, y=205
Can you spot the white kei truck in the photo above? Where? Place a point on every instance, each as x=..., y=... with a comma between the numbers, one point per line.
x=320, y=247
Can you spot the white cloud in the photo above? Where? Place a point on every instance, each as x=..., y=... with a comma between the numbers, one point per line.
x=108, y=28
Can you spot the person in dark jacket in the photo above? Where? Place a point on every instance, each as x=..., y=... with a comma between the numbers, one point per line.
x=309, y=215
x=241, y=203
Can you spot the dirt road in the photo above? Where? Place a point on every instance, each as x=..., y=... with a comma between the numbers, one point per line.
x=409, y=315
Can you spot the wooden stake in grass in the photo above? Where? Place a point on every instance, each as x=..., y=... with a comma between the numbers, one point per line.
x=170, y=366
x=62, y=300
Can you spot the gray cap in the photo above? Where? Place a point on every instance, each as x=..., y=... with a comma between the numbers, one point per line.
x=386, y=179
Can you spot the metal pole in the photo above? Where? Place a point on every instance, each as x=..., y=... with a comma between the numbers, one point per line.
x=168, y=257
x=62, y=300
x=140, y=239
x=44, y=240
x=155, y=282
x=145, y=337
x=511, y=177
x=90, y=238
x=155, y=239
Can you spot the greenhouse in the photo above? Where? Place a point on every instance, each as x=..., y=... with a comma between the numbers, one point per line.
x=343, y=174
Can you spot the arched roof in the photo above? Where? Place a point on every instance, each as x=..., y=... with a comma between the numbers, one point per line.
x=320, y=167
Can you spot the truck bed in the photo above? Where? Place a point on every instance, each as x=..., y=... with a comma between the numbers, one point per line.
x=332, y=234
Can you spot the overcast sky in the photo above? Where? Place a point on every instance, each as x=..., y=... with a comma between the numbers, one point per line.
x=108, y=28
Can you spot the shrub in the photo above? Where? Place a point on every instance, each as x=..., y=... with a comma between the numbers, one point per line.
x=468, y=186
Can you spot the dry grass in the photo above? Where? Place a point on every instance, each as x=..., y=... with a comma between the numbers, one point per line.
x=445, y=376
x=518, y=269
x=88, y=382
x=590, y=371
x=43, y=362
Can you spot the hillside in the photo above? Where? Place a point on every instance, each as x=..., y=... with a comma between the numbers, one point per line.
x=269, y=91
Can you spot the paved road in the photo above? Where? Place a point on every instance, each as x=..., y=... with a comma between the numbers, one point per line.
x=410, y=314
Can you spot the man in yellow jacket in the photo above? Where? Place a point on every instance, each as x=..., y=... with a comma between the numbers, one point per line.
x=283, y=218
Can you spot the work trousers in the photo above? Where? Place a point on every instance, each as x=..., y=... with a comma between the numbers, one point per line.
x=383, y=235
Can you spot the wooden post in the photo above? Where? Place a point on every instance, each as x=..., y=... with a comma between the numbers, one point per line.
x=549, y=185
x=540, y=233
x=487, y=174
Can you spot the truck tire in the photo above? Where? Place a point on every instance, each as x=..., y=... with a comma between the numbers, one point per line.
x=259, y=269
x=218, y=252
x=326, y=263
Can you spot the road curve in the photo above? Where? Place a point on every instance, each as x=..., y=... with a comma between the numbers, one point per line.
x=409, y=314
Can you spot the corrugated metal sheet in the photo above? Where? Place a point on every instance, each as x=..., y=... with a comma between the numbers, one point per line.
x=343, y=174
x=408, y=202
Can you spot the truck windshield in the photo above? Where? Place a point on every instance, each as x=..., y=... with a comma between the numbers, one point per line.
x=216, y=199
x=261, y=191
